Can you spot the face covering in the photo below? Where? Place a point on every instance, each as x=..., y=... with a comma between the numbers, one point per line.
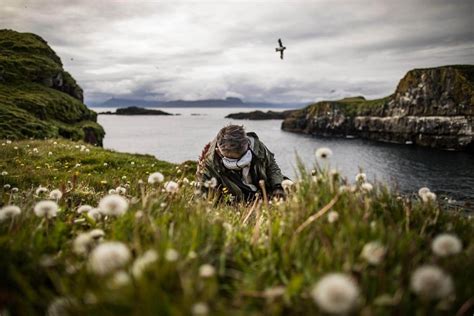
x=238, y=164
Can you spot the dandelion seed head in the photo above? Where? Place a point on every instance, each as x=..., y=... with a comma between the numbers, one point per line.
x=200, y=309
x=7, y=186
x=9, y=211
x=113, y=205
x=15, y=190
x=206, y=271
x=373, y=252
x=361, y=177
x=287, y=184
x=55, y=194
x=41, y=190
x=61, y=306
x=171, y=187
x=333, y=216
x=143, y=262
x=109, y=257
x=156, y=177
x=430, y=282
x=121, y=190
x=212, y=183
x=336, y=293
x=171, y=255
x=428, y=197
x=423, y=191
x=445, y=245
x=95, y=214
x=46, y=209
x=97, y=234
x=82, y=244
x=192, y=255
x=367, y=187
x=274, y=292
x=323, y=153
x=84, y=208
x=112, y=191
x=118, y=280
x=4, y=173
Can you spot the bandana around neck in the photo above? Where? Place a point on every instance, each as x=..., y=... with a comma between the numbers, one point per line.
x=238, y=164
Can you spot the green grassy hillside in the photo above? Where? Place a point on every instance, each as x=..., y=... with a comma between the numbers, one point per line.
x=179, y=255
x=38, y=99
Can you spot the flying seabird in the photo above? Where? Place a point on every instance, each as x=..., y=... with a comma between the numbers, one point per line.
x=281, y=48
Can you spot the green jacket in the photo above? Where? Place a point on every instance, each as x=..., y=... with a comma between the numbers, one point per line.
x=263, y=167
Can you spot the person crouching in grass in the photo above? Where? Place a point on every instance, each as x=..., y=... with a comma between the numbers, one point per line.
x=234, y=165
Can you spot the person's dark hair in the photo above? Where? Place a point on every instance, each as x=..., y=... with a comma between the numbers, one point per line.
x=232, y=139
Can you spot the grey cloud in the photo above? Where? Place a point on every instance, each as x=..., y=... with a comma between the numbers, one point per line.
x=191, y=49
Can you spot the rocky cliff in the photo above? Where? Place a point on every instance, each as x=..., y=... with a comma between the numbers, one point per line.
x=38, y=98
x=431, y=107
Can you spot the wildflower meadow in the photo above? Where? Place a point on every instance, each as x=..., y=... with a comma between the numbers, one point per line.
x=87, y=231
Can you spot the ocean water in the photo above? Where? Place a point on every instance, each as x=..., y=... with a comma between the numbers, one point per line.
x=180, y=138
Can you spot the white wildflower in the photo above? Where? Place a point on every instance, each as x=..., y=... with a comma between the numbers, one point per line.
x=7, y=186
x=15, y=190
x=446, y=244
x=361, y=177
x=200, y=309
x=55, y=194
x=108, y=257
x=112, y=191
x=4, y=173
x=132, y=163
x=143, y=262
x=113, y=205
x=430, y=282
x=323, y=153
x=105, y=164
x=336, y=293
x=47, y=209
x=373, y=252
x=9, y=141
x=95, y=214
x=50, y=153
x=206, y=271
x=192, y=255
x=171, y=187
x=9, y=211
x=333, y=216
x=84, y=208
x=171, y=255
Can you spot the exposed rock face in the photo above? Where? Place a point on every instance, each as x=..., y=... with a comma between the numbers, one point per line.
x=430, y=107
x=37, y=97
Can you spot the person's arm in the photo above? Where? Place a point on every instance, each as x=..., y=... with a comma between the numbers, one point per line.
x=273, y=170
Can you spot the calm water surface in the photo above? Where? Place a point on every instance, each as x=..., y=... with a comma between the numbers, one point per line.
x=180, y=138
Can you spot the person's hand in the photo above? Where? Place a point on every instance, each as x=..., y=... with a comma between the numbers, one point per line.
x=278, y=194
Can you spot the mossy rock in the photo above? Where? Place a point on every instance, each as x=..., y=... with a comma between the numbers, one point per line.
x=38, y=99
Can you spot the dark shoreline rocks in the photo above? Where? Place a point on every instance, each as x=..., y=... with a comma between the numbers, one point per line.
x=134, y=110
x=431, y=107
x=260, y=115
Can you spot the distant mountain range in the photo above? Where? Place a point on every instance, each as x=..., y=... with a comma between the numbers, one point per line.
x=207, y=103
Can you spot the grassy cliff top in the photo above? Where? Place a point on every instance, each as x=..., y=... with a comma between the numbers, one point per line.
x=460, y=78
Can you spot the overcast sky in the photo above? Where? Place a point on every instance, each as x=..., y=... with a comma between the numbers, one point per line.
x=167, y=50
